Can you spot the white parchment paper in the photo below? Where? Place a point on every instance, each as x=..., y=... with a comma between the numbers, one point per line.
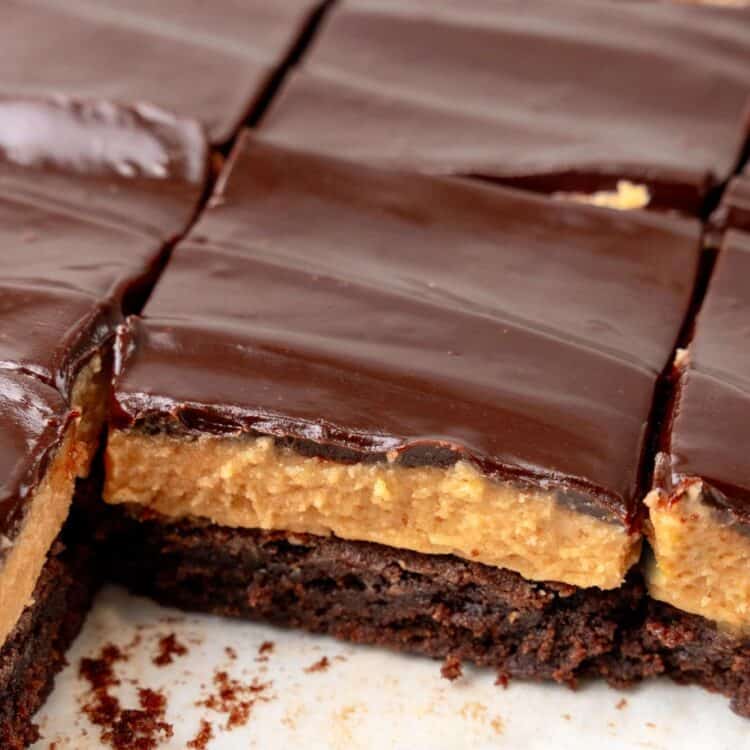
x=365, y=698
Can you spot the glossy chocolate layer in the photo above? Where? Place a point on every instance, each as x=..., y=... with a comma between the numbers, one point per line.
x=90, y=194
x=203, y=60
x=33, y=420
x=734, y=210
x=555, y=95
x=710, y=425
x=377, y=311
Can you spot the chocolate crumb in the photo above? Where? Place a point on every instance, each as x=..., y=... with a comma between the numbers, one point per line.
x=204, y=736
x=451, y=668
x=99, y=672
x=502, y=680
x=235, y=699
x=320, y=666
x=231, y=653
x=622, y=703
x=265, y=650
x=122, y=729
x=169, y=648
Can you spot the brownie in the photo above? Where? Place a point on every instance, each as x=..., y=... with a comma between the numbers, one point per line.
x=367, y=593
x=706, y=435
x=35, y=651
x=440, y=607
x=556, y=95
x=270, y=320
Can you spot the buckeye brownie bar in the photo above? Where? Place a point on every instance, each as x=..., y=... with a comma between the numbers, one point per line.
x=91, y=196
x=455, y=371
x=699, y=506
x=627, y=104
x=45, y=586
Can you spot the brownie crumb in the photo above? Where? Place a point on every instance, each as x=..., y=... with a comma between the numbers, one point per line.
x=265, y=650
x=204, y=736
x=122, y=729
x=502, y=680
x=169, y=648
x=320, y=666
x=451, y=668
x=231, y=653
x=235, y=699
x=622, y=703
x=100, y=672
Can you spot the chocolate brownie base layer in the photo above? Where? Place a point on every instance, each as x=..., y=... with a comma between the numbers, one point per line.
x=35, y=651
x=437, y=606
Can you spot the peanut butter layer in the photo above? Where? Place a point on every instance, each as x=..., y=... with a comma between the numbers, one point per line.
x=627, y=196
x=48, y=504
x=700, y=503
x=254, y=483
x=26, y=554
x=701, y=557
x=90, y=398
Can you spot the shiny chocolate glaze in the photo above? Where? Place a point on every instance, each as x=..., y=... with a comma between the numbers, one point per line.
x=188, y=57
x=91, y=195
x=554, y=95
x=373, y=311
x=734, y=209
x=707, y=436
x=33, y=421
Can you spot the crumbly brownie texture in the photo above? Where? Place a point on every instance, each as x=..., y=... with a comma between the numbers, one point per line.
x=438, y=606
x=35, y=651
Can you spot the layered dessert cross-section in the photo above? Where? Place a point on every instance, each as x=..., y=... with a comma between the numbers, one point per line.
x=697, y=572
x=699, y=506
x=627, y=104
x=457, y=371
x=86, y=217
x=45, y=588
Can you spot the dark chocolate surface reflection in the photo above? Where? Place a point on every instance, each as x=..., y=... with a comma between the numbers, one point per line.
x=375, y=311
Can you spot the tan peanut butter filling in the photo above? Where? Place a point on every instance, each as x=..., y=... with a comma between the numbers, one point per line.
x=90, y=398
x=49, y=504
x=627, y=196
x=254, y=483
x=48, y=508
x=701, y=561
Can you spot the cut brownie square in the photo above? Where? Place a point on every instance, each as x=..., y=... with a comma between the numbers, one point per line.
x=700, y=506
x=630, y=103
x=427, y=364
x=86, y=217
